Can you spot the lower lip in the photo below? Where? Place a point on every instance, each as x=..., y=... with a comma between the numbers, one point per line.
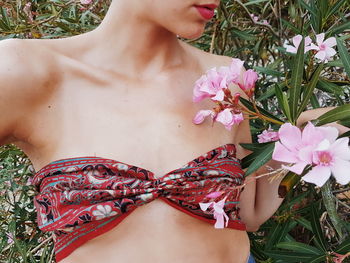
x=205, y=12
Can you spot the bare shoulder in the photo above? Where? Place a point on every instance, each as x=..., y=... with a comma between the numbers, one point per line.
x=23, y=74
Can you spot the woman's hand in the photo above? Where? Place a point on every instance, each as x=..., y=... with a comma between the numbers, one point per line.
x=314, y=114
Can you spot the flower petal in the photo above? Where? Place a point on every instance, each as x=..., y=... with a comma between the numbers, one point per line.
x=321, y=55
x=341, y=148
x=330, y=42
x=319, y=39
x=290, y=136
x=318, y=175
x=298, y=168
x=205, y=206
x=282, y=154
x=340, y=171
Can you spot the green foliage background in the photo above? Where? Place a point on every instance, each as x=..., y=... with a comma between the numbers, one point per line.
x=301, y=230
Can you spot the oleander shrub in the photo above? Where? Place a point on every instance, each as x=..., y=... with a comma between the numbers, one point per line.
x=312, y=224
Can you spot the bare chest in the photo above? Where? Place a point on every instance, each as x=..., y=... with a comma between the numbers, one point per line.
x=143, y=123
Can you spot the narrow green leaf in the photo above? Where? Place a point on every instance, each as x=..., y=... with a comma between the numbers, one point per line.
x=318, y=259
x=296, y=79
x=344, y=56
x=309, y=89
x=287, y=257
x=307, y=7
x=335, y=8
x=316, y=228
x=276, y=234
x=243, y=34
x=299, y=247
x=339, y=29
x=250, y=106
x=268, y=71
x=339, y=113
x=254, y=146
x=261, y=159
x=305, y=223
x=329, y=87
x=344, y=247
x=282, y=101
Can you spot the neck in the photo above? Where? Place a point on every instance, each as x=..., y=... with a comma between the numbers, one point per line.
x=142, y=47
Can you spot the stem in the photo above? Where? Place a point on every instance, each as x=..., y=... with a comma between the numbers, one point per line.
x=329, y=203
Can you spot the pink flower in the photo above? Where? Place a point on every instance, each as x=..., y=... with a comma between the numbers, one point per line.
x=296, y=147
x=330, y=157
x=227, y=118
x=214, y=194
x=248, y=83
x=85, y=2
x=296, y=42
x=211, y=85
x=201, y=115
x=268, y=136
x=265, y=22
x=254, y=17
x=324, y=47
x=218, y=211
x=339, y=258
x=315, y=146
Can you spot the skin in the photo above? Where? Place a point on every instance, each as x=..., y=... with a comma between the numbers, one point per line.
x=124, y=91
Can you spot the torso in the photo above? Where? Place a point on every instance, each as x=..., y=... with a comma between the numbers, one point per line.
x=88, y=111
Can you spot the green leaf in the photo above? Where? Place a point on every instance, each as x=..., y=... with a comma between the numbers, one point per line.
x=282, y=101
x=329, y=87
x=309, y=89
x=316, y=228
x=318, y=259
x=261, y=159
x=335, y=8
x=344, y=56
x=307, y=7
x=305, y=223
x=276, y=234
x=244, y=35
x=339, y=113
x=296, y=79
x=254, y=146
x=299, y=247
x=287, y=257
x=268, y=71
x=335, y=63
x=339, y=29
x=250, y=106
x=344, y=247
x=249, y=159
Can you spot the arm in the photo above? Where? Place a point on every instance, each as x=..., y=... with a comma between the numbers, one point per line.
x=315, y=113
x=259, y=199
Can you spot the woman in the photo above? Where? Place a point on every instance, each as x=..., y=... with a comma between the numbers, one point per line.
x=123, y=91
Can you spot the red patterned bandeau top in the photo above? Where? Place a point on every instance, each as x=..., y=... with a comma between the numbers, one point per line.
x=82, y=197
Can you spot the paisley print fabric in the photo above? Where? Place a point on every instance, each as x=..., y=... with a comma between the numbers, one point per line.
x=83, y=197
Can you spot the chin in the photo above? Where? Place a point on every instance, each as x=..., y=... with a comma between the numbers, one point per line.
x=192, y=33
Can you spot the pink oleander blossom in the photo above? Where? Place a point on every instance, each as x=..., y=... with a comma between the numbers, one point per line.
x=228, y=119
x=268, y=136
x=212, y=85
x=248, y=83
x=324, y=47
x=201, y=115
x=296, y=42
x=315, y=146
x=217, y=208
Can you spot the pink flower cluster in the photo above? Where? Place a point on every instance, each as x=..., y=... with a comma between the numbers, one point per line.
x=256, y=19
x=214, y=85
x=217, y=208
x=317, y=147
x=268, y=136
x=324, y=47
